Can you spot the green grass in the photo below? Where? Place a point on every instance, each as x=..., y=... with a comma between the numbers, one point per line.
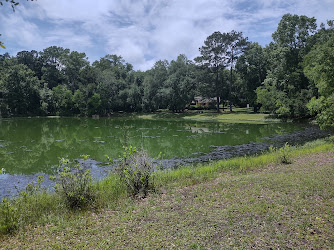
x=239, y=115
x=242, y=202
x=191, y=174
x=234, y=117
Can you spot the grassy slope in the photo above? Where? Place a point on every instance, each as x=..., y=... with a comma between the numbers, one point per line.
x=244, y=202
x=237, y=116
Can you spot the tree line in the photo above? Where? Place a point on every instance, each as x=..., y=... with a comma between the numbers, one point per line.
x=292, y=77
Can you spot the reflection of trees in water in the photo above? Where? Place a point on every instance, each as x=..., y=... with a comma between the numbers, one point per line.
x=37, y=143
x=269, y=130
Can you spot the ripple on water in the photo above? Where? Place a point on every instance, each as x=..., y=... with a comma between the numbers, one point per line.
x=61, y=140
x=150, y=136
x=99, y=141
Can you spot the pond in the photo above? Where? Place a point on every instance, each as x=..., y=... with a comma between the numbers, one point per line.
x=29, y=146
x=33, y=145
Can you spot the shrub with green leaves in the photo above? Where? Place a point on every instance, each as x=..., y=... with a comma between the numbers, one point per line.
x=136, y=171
x=74, y=184
x=32, y=188
x=8, y=218
x=283, y=153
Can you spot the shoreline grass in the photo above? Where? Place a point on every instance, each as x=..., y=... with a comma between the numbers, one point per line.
x=229, y=203
x=239, y=115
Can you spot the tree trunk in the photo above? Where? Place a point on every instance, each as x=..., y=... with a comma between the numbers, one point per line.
x=217, y=91
x=230, y=96
x=255, y=108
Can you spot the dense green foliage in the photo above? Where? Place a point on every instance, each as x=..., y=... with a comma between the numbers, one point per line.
x=319, y=67
x=74, y=184
x=219, y=51
x=286, y=90
x=281, y=78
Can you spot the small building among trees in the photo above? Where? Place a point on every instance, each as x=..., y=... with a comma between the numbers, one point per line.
x=204, y=102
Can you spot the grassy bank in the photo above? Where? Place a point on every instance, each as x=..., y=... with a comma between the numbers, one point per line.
x=239, y=115
x=243, y=202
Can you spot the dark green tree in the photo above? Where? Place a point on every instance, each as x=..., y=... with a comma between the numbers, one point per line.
x=47, y=101
x=79, y=103
x=178, y=89
x=73, y=63
x=113, y=80
x=154, y=81
x=235, y=45
x=252, y=69
x=293, y=32
x=319, y=68
x=135, y=91
x=214, y=58
x=286, y=84
x=53, y=66
x=31, y=59
x=20, y=90
x=94, y=104
x=63, y=100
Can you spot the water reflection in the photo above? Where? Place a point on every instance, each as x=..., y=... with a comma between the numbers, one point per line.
x=198, y=130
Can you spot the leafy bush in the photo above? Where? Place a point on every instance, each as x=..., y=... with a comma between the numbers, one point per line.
x=8, y=218
x=136, y=171
x=74, y=184
x=283, y=153
x=32, y=188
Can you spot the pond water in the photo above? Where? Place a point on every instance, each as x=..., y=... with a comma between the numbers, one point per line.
x=33, y=145
x=30, y=147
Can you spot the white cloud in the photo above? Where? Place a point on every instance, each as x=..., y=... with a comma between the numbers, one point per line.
x=16, y=28
x=143, y=32
x=74, y=10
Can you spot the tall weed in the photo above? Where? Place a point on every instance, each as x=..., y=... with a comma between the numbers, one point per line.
x=284, y=154
x=9, y=218
x=74, y=184
x=136, y=171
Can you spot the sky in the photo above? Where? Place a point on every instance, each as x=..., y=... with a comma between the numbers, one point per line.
x=144, y=31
